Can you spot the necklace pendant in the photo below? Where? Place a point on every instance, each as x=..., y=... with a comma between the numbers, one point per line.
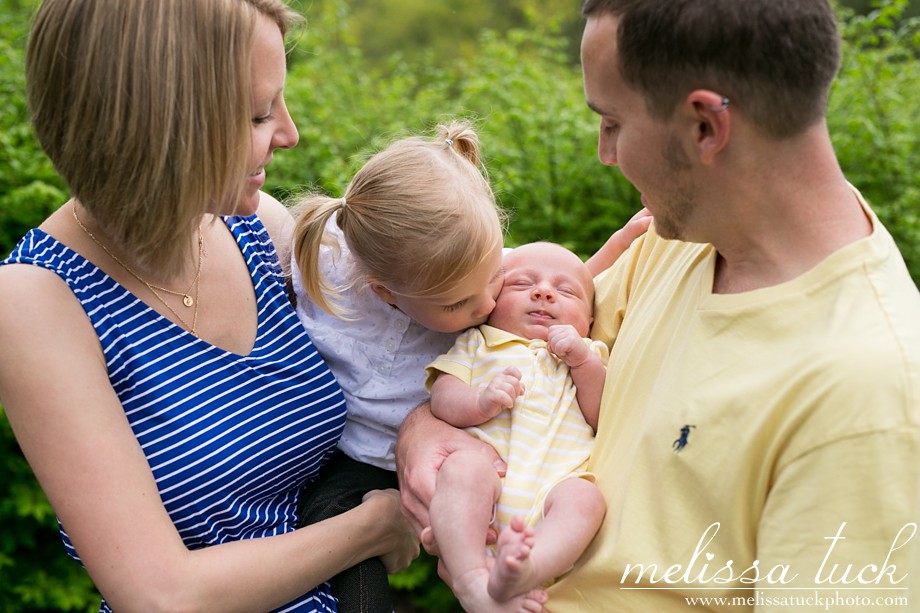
x=187, y=300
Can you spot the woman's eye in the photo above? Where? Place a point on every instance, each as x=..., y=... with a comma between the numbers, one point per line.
x=262, y=119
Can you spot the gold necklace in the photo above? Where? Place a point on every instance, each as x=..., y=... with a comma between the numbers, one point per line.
x=187, y=299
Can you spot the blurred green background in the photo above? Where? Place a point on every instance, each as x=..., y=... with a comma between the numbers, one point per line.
x=367, y=71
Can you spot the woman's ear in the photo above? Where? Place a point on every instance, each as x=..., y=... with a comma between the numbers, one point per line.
x=712, y=122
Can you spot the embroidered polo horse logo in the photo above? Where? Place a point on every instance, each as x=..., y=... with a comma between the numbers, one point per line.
x=681, y=442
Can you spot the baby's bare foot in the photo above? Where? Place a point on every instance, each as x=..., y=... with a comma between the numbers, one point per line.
x=513, y=572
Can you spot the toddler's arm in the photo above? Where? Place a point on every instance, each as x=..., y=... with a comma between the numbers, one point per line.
x=587, y=368
x=619, y=242
x=462, y=405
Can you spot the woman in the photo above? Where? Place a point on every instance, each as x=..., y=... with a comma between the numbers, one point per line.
x=158, y=380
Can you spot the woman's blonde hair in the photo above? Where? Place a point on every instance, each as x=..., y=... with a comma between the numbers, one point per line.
x=418, y=217
x=144, y=109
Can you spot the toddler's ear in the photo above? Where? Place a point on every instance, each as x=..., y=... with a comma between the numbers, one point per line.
x=381, y=291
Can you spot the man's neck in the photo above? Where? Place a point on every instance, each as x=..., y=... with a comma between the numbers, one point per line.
x=799, y=211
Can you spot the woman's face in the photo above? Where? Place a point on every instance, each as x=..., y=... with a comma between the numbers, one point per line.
x=272, y=126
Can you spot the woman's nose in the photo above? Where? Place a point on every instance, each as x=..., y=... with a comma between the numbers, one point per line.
x=287, y=135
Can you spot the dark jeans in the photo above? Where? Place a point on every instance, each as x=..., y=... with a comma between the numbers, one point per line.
x=342, y=483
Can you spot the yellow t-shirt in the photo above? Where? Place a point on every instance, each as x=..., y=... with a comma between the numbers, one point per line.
x=765, y=436
x=544, y=438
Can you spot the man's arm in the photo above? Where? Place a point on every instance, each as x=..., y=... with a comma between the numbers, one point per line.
x=844, y=506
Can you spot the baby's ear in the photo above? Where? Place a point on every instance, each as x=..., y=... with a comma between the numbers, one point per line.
x=381, y=290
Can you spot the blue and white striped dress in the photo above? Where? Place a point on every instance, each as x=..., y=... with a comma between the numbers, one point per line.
x=230, y=438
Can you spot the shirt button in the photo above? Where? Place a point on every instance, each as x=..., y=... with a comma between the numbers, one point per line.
x=390, y=345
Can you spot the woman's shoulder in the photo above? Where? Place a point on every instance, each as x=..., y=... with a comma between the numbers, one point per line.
x=38, y=269
x=279, y=223
x=38, y=260
x=42, y=302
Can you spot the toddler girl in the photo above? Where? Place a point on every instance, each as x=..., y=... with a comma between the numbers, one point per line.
x=385, y=277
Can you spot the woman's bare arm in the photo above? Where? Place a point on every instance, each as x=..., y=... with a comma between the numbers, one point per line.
x=72, y=429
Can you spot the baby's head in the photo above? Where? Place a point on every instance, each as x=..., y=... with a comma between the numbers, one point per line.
x=545, y=284
x=421, y=222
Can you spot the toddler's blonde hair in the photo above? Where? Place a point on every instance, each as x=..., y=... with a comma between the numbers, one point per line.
x=418, y=217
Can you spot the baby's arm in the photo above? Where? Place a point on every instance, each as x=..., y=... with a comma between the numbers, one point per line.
x=619, y=242
x=587, y=368
x=462, y=405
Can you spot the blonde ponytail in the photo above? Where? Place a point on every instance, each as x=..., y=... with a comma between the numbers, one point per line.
x=313, y=214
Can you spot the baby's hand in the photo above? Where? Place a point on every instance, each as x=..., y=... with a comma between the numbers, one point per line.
x=501, y=392
x=636, y=226
x=565, y=342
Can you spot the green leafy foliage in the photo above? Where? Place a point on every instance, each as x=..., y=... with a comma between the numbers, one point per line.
x=523, y=89
x=418, y=588
x=520, y=87
x=29, y=187
x=874, y=119
x=540, y=141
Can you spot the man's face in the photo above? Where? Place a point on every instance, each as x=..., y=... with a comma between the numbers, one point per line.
x=647, y=150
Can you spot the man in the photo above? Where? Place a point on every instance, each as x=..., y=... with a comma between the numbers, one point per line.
x=759, y=437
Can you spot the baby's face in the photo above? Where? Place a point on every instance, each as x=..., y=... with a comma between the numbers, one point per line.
x=465, y=306
x=545, y=285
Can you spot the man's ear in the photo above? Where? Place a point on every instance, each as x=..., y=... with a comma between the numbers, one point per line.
x=711, y=114
x=381, y=290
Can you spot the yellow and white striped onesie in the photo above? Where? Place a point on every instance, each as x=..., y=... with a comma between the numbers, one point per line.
x=544, y=438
